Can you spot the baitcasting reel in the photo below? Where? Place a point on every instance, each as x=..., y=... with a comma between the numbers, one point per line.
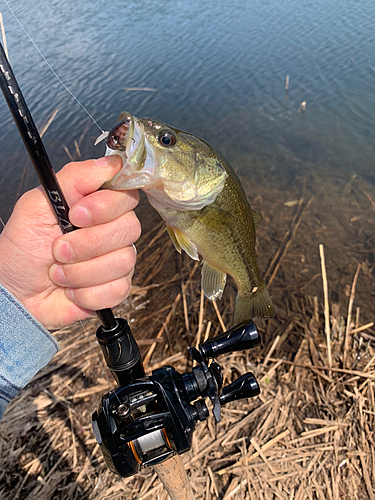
x=149, y=419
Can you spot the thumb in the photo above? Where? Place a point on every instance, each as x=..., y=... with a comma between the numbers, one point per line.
x=79, y=179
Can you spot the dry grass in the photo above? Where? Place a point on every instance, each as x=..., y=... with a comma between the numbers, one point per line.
x=310, y=433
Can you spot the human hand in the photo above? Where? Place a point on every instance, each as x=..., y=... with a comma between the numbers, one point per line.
x=59, y=278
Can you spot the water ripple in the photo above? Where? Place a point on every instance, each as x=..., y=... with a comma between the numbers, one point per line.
x=218, y=66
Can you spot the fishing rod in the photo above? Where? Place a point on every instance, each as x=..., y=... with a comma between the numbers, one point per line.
x=39, y=157
x=114, y=335
x=146, y=421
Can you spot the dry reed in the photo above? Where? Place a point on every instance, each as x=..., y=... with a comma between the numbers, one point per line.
x=309, y=435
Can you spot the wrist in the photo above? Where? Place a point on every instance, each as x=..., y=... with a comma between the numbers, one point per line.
x=8, y=269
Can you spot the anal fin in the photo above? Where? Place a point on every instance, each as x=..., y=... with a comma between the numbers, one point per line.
x=213, y=282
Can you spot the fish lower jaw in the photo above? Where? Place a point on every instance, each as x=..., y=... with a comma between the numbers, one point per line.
x=135, y=181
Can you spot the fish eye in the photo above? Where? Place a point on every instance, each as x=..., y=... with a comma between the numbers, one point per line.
x=167, y=138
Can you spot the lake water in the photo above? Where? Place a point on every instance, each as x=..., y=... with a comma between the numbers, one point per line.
x=218, y=70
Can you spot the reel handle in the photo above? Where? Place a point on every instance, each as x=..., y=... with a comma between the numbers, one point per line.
x=241, y=337
x=244, y=387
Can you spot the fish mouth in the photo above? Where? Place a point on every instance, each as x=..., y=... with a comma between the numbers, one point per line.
x=119, y=134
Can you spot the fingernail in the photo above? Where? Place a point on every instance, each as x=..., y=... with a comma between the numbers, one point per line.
x=80, y=216
x=63, y=252
x=57, y=275
x=69, y=292
x=106, y=161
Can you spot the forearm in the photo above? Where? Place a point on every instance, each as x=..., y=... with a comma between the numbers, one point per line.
x=25, y=347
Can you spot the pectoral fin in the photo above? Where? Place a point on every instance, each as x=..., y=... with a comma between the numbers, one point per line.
x=181, y=242
x=213, y=282
x=174, y=239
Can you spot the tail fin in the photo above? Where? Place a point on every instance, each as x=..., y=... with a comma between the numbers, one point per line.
x=257, y=304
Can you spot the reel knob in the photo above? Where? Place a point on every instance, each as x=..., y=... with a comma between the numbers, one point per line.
x=244, y=387
x=239, y=338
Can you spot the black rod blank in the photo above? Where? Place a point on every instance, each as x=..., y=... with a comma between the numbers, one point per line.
x=39, y=158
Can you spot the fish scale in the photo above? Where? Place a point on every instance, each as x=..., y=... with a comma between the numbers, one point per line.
x=197, y=193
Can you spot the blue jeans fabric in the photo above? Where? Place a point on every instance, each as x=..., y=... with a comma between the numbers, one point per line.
x=25, y=347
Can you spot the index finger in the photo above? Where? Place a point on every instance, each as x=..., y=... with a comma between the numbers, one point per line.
x=79, y=179
x=102, y=206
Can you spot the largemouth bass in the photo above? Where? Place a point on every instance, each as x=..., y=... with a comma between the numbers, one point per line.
x=197, y=193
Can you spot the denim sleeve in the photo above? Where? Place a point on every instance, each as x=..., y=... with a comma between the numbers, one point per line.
x=25, y=347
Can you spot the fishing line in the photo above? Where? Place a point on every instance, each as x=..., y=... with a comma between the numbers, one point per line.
x=114, y=336
x=43, y=167
x=50, y=67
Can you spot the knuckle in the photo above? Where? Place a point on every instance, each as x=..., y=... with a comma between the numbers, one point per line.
x=30, y=198
x=122, y=288
x=134, y=227
x=68, y=168
x=25, y=199
x=131, y=259
x=98, y=202
x=94, y=238
x=132, y=199
x=123, y=261
x=109, y=295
